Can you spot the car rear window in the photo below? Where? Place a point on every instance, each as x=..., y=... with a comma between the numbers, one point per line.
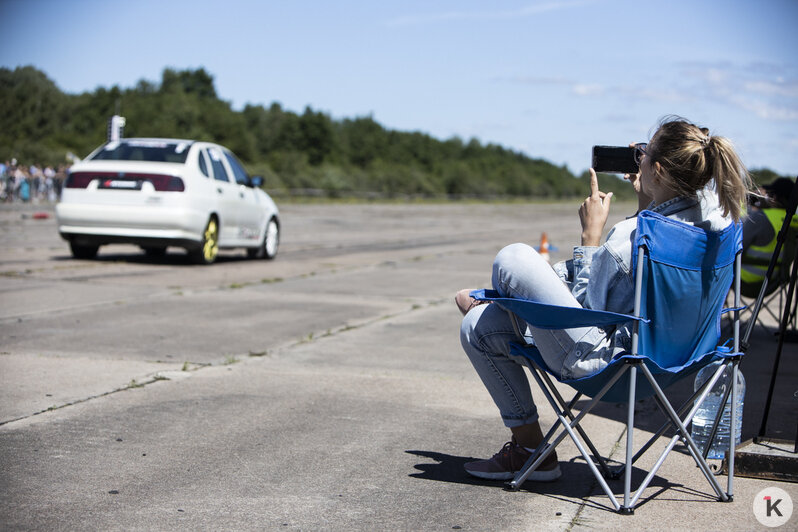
x=144, y=150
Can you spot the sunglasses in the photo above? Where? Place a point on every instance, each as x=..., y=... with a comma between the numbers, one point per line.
x=640, y=150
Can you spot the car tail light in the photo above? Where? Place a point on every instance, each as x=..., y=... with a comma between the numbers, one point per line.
x=79, y=179
x=125, y=181
x=164, y=183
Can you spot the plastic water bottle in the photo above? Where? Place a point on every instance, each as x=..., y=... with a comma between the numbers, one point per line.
x=705, y=417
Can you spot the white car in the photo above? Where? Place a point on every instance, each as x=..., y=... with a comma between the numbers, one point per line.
x=166, y=192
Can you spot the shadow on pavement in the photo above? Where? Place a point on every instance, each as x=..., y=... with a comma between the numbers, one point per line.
x=169, y=258
x=757, y=367
x=577, y=481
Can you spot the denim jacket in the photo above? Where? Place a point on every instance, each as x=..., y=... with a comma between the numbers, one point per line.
x=601, y=277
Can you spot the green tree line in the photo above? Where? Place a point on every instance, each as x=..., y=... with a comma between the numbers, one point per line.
x=296, y=153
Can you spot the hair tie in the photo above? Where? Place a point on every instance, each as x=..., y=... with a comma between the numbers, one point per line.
x=704, y=141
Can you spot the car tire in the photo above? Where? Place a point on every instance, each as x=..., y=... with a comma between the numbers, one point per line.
x=82, y=251
x=155, y=251
x=268, y=246
x=209, y=247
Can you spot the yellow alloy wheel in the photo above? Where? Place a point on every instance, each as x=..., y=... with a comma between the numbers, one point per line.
x=210, y=247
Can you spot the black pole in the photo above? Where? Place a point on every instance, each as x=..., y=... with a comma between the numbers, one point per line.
x=785, y=318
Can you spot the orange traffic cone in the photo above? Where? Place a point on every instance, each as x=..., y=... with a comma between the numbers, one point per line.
x=544, y=247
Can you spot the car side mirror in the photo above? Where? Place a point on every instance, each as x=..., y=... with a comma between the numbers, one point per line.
x=256, y=181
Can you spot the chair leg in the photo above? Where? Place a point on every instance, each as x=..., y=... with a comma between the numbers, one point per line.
x=681, y=433
x=668, y=423
x=566, y=409
x=732, y=429
x=630, y=428
x=766, y=302
x=568, y=430
x=685, y=435
x=701, y=394
x=716, y=422
x=593, y=468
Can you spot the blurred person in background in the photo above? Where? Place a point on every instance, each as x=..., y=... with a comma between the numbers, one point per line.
x=4, y=181
x=761, y=226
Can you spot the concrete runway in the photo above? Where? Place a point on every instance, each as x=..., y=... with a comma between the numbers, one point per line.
x=323, y=390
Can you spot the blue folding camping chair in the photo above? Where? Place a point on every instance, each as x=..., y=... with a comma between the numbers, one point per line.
x=682, y=276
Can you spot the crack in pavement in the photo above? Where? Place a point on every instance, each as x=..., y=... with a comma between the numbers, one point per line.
x=161, y=376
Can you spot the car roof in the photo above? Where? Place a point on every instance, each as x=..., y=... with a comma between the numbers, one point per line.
x=189, y=142
x=132, y=141
x=155, y=139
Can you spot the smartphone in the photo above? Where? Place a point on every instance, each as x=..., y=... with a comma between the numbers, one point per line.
x=614, y=160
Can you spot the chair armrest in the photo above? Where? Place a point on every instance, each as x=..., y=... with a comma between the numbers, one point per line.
x=546, y=316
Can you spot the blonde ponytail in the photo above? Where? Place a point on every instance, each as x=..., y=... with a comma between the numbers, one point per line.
x=690, y=158
x=732, y=180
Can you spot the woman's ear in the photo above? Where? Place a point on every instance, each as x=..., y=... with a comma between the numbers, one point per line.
x=657, y=169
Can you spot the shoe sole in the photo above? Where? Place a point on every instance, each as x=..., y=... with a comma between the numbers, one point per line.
x=536, y=476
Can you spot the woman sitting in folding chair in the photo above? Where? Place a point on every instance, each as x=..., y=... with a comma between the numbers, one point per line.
x=685, y=174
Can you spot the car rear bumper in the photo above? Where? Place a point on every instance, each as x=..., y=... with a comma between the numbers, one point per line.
x=106, y=224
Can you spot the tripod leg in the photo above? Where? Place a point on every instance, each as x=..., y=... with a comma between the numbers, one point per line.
x=782, y=330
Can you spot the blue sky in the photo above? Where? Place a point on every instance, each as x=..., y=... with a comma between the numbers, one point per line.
x=544, y=77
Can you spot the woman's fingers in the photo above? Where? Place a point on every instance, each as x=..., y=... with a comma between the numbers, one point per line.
x=593, y=212
x=594, y=187
x=634, y=179
x=595, y=193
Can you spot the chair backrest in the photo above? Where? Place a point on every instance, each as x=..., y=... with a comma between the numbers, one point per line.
x=685, y=273
x=683, y=277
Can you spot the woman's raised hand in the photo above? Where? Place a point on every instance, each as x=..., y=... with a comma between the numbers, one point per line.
x=594, y=212
x=634, y=179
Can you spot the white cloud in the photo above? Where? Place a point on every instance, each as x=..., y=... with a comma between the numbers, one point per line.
x=715, y=76
x=536, y=80
x=779, y=87
x=597, y=89
x=766, y=91
x=770, y=91
x=766, y=110
x=529, y=10
x=656, y=94
x=591, y=89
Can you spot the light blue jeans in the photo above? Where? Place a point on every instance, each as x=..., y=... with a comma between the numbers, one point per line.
x=520, y=272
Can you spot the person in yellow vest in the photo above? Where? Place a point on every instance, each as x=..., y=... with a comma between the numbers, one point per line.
x=760, y=229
